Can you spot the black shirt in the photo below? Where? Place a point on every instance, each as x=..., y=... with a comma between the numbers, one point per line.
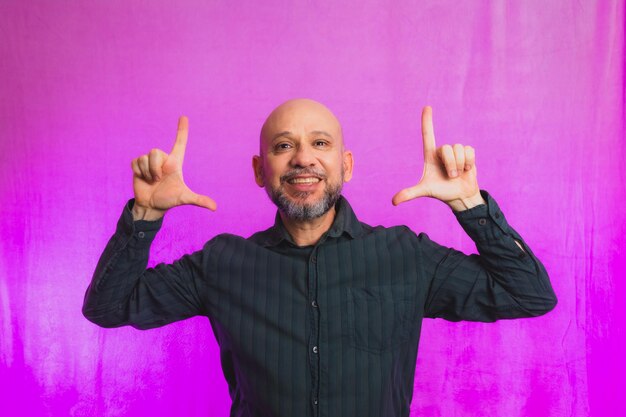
x=324, y=330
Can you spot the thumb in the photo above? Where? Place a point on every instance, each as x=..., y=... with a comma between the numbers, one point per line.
x=189, y=197
x=419, y=190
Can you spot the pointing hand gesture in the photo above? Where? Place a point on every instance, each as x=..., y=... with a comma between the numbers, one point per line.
x=449, y=172
x=158, y=180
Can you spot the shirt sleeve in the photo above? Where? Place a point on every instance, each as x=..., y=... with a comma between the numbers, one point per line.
x=502, y=282
x=123, y=292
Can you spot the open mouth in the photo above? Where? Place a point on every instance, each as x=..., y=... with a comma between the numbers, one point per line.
x=304, y=180
x=303, y=176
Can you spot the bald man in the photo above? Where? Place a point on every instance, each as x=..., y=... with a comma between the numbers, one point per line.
x=319, y=314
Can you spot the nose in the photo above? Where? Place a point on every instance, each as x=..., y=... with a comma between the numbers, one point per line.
x=303, y=157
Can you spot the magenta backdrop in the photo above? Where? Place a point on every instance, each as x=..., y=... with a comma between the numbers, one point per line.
x=537, y=87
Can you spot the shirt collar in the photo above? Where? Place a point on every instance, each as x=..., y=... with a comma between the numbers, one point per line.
x=345, y=222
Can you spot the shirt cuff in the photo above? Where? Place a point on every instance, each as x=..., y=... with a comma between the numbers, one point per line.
x=137, y=233
x=484, y=222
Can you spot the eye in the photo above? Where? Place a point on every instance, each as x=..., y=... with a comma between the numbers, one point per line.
x=283, y=146
x=320, y=143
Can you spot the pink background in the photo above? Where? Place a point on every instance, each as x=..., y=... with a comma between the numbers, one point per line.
x=537, y=87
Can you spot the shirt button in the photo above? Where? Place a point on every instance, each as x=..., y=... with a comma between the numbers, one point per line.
x=482, y=222
x=314, y=303
x=315, y=401
x=141, y=235
x=314, y=259
x=315, y=349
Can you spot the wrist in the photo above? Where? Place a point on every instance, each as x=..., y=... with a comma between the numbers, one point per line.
x=462, y=204
x=146, y=213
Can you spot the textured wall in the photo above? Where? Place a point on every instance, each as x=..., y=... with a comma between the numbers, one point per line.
x=536, y=87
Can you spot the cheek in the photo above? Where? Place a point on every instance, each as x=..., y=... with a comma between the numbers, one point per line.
x=271, y=176
x=275, y=165
x=334, y=168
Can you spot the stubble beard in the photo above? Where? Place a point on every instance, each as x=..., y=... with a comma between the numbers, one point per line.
x=299, y=210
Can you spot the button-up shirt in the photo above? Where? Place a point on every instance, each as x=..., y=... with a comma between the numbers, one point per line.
x=330, y=329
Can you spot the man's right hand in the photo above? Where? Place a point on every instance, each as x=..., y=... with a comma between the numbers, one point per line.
x=158, y=180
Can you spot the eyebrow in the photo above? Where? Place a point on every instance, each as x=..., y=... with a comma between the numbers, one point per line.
x=285, y=133
x=321, y=132
x=315, y=132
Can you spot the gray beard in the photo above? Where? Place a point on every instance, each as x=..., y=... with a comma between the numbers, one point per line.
x=302, y=211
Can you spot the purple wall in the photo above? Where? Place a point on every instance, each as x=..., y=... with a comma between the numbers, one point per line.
x=536, y=87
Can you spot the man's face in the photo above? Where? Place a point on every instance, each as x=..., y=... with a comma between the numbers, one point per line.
x=302, y=162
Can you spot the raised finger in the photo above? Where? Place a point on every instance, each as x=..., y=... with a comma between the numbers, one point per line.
x=428, y=132
x=156, y=157
x=470, y=158
x=449, y=161
x=459, y=155
x=144, y=167
x=180, y=144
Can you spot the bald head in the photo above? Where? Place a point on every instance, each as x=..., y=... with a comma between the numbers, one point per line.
x=300, y=116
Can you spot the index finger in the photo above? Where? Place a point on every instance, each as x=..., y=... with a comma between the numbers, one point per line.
x=181, y=137
x=428, y=132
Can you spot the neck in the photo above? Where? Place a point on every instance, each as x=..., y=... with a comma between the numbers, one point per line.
x=308, y=232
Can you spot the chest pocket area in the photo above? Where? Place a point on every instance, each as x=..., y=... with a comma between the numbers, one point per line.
x=379, y=317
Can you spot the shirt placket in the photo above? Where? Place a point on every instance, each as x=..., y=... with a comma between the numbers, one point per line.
x=314, y=336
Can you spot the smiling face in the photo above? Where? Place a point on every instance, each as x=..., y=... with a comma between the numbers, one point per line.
x=302, y=162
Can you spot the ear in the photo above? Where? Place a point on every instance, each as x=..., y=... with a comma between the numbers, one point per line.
x=257, y=166
x=348, y=164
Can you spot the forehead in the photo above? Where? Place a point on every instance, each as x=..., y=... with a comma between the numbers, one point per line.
x=300, y=117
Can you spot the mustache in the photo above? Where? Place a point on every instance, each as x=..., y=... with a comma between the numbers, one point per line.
x=302, y=171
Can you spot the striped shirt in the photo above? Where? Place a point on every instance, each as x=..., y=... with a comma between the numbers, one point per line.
x=325, y=330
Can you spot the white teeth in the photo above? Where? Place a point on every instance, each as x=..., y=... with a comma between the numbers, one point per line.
x=304, y=180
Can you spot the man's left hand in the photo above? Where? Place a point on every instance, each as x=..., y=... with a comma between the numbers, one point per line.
x=449, y=172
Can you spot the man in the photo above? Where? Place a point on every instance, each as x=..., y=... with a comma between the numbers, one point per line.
x=319, y=315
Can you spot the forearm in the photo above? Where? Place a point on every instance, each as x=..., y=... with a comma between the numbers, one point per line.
x=505, y=281
x=124, y=260
x=508, y=261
